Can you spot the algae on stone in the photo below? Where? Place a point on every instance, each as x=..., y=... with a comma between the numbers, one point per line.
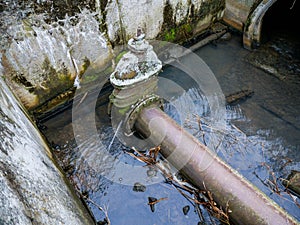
x=42, y=66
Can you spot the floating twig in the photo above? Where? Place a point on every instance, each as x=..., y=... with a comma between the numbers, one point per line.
x=150, y=158
x=157, y=201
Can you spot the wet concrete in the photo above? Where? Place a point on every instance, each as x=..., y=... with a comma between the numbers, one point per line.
x=33, y=190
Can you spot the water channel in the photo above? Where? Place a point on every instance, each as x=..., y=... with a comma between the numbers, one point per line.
x=260, y=140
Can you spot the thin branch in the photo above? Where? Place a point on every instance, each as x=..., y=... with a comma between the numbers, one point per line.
x=104, y=210
x=157, y=201
x=293, y=5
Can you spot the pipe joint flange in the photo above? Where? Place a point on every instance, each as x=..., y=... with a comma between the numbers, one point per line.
x=132, y=115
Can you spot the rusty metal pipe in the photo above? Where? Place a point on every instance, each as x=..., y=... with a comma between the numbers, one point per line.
x=207, y=171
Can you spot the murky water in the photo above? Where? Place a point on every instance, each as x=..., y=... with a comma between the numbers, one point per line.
x=261, y=140
x=268, y=129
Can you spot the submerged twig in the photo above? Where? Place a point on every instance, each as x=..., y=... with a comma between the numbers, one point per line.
x=273, y=185
x=104, y=209
x=157, y=201
x=293, y=5
x=272, y=182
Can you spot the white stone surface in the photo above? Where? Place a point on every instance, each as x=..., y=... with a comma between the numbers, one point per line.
x=32, y=189
x=180, y=9
x=130, y=15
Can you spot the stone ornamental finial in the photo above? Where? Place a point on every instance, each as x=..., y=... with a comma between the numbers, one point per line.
x=140, y=35
x=139, y=64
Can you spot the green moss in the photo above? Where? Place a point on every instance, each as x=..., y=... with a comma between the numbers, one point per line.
x=89, y=78
x=250, y=16
x=187, y=28
x=176, y=34
x=108, y=70
x=124, y=110
x=248, y=23
x=86, y=64
x=172, y=32
x=170, y=35
x=54, y=82
x=119, y=56
x=96, y=76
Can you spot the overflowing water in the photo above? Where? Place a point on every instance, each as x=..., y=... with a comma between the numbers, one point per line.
x=42, y=58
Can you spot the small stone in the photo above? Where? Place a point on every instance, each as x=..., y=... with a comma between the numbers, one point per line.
x=138, y=187
x=186, y=209
x=226, y=36
x=239, y=96
x=201, y=223
x=102, y=222
x=151, y=173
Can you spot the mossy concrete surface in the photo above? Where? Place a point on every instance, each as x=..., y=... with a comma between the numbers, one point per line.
x=43, y=60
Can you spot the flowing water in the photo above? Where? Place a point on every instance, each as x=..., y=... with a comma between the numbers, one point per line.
x=260, y=140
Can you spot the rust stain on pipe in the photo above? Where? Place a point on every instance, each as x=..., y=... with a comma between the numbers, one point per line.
x=207, y=171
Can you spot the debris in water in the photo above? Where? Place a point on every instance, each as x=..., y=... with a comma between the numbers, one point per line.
x=102, y=222
x=138, y=187
x=152, y=201
x=152, y=172
x=186, y=209
x=293, y=181
x=225, y=37
x=238, y=96
x=199, y=197
x=102, y=209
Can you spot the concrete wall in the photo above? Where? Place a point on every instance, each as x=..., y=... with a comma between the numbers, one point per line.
x=161, y=19
x=32, y=189
x=237, y=12
x=48, y=44
x=253, y=26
